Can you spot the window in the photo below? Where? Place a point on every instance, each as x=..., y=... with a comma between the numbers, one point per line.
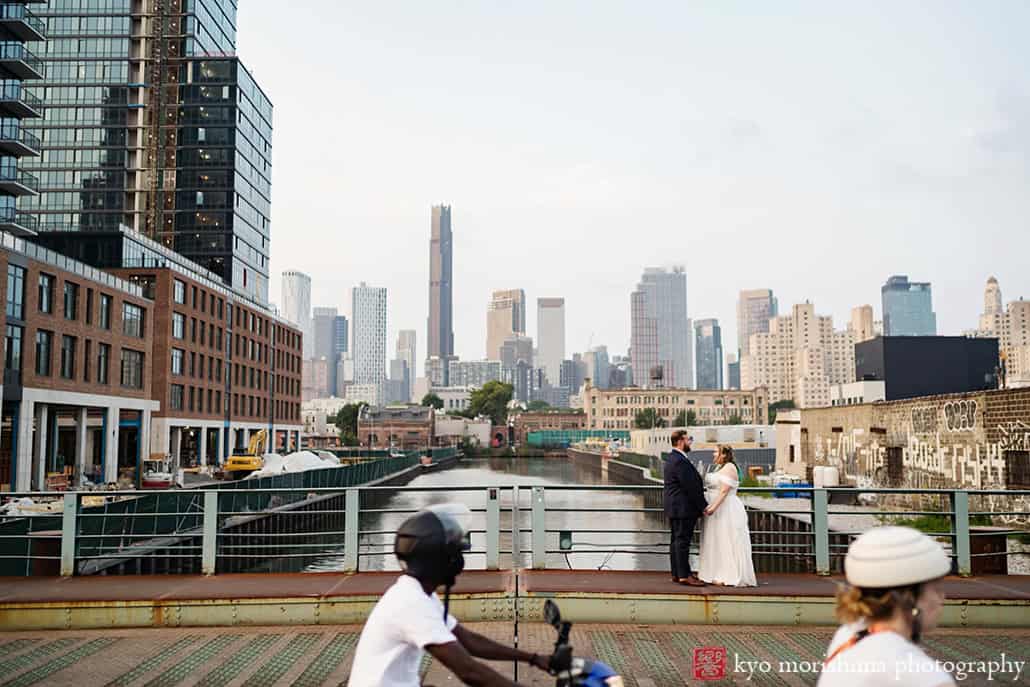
x=192, y=397
x=86, y=356
x=193, y=329
x=105, y=311
x=180, y=292
x=132, y=369
x=46, y=293
x=44, y=342
x=177, y=358
x=71, y=300
x=103, y=362
x=13, y=358
x=178, y=326
x=210, y=397
x=16, y=292
x=89, y=308
x=68, y=357
x=176, y=400
x=194, y=297
x=132, y=320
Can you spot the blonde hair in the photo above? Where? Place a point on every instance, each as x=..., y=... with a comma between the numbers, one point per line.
x=856, y=603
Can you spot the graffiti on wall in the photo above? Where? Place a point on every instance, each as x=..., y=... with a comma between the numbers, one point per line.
x=960, y=416
x=924, y=420
x=1015, y=436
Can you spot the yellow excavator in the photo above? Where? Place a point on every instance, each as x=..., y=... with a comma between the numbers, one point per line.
x=241, y=464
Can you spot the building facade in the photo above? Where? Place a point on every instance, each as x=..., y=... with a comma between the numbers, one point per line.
x=404, y=427
x=732, y=371
x=21, y=68
x=1011, y=326
x=440, y=328
x=550, y=324
x=154, y=124
x=912, y=366
x=296, y=307
x=862, y=325
x=708, y=348
x=908, y=308
x=505, y=316
x=977, y=440
x=78, y=380
x=660, y=332
x=474, y=372
x=617, y=408
x=799, y=358
x=407, y=351
x=525, y=422
x=755, y=308
x=369, y=345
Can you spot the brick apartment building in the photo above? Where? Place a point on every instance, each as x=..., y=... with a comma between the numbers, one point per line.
x=161, y=350
x=223, y=368
x=403, y=427
x=77, y=385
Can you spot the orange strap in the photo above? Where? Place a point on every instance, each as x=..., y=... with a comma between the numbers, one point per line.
x=852, y=641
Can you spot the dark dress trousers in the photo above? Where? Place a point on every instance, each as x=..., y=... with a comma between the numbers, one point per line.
x=684, y=504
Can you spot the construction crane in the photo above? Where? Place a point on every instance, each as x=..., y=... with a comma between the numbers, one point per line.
x=242, y=464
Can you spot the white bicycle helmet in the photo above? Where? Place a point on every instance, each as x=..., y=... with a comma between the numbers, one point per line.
x=886, y=557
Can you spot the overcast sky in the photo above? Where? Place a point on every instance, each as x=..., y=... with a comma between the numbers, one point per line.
x=813, y=148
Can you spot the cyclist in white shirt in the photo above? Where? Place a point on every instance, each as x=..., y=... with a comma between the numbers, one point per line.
x=893, y=596
x=410, y=618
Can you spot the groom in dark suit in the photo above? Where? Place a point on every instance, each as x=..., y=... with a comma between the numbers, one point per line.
x=684, y=504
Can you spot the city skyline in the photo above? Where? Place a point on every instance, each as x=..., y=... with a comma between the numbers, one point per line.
x=928, y=165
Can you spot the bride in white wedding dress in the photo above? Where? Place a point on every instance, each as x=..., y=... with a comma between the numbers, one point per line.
x=725, y=539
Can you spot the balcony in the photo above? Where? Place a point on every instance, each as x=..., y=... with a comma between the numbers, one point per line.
x=18, y=223
x=16, y=101
x=19, y=61
x=15, y=182
x=18, y=142
x=20, y=22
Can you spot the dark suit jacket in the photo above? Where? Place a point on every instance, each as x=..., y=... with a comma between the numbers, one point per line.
x=684, y=488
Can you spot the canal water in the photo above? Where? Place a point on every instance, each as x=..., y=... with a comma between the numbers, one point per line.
x=624, y=540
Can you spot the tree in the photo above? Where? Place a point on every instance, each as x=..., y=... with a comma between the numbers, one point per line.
x=778, y=406
x=491, y=400
x=686, y=418
x=538, y=405
x=735, y=419
x=648, y=418
x=432, y=401
x=347, y=423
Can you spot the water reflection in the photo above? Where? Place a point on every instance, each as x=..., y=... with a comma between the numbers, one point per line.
x=637, y=538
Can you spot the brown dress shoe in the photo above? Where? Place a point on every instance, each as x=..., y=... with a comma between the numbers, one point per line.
x=691, y=581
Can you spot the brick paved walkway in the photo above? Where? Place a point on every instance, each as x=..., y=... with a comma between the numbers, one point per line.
x=648, y=656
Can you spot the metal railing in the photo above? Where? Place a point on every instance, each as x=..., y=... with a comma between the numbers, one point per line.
x=14, y=132
x=16, y=91
x=317, y=525
x=16, y=12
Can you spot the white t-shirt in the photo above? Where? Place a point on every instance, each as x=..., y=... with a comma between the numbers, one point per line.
x=403, y=622
x=880, y=658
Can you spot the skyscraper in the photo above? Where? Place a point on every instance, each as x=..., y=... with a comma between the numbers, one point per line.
x=732, y=371
x=862, y=325
x=341, y=336
x=506, y=315
x=440, y=339
x=755, y=308
x=330, y=339
x=659, y=329
x=406, y=350
x=153, y=124
x=17, y=105
x=708, y=347
x=368, y=316
x=908, y=308
x=550, y=324
x=296, y=306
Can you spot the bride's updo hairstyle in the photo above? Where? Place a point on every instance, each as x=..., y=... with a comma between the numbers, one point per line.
x=727, y=455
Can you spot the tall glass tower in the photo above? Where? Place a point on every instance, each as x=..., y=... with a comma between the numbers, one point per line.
x=153, y=125
x=18, y=24
x=908, y=308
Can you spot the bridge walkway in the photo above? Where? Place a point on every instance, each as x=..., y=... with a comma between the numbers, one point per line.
x=647, y=655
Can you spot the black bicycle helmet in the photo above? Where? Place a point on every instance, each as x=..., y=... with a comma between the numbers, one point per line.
x=429, y=544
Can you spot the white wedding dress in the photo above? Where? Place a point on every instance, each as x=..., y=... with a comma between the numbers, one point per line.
x=725, y=538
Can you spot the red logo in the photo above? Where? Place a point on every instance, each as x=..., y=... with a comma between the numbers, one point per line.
x=709, y=663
